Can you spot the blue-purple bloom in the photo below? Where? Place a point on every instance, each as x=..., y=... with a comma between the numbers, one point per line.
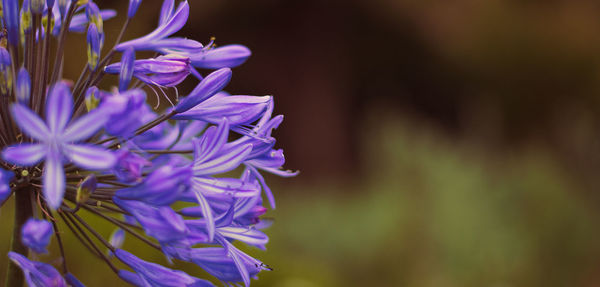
x=229, y=56
x=37, y=274
x=159, y=39
x=209, y=86
x=163, y=71
x=10, y=14
x=152, y=274
x=133, y=7
x=93, y=46
x=165, y=175
x=36, y=234
x=23, y=86
x=5, y=178
x=57, y=140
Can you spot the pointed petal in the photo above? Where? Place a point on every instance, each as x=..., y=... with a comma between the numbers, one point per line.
x=240, y=266
x=59, y=107
x=207, y=213
x=266, y=188
x=54, y=180
x=211, y=142
x=24, y=154
x=90, y=156
x=224, y=162
x=29, y=122
x=166, y=11
x=86, y=126
x=245, y=234
x=173, y=24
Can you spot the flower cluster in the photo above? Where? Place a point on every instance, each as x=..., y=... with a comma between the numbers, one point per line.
x=184, y=178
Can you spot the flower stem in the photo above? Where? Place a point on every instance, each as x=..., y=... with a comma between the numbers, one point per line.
x=23, y=211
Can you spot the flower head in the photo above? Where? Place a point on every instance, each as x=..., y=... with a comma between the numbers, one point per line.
x=69, y=146
x=57, y=140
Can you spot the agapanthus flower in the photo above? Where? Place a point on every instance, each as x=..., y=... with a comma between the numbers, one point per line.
x=166, y=175
x=36, y=234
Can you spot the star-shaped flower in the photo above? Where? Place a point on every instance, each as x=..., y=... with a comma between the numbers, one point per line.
x=57, y=140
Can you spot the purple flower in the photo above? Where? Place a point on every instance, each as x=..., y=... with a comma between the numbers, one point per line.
x=238, y=110
x=161, y=223
x=5, y=178
x=36, y=233
x=210, y=159
x=80, y=22
x=62, y=7
x=57, y=139
x=37, y=274
x=164, y=71
x=229, y=264
x=5, y=71
x=124, y=109
x=229, y=56
x=152, y=274
x=158, y=39
x=126, y=68
x=74, y=282
x=133, y=7
x=208, y=87
x=162, y=187
x=71, y=148
x=23, y=87
x=10, y=14
x=93, y=46
x=129, y=166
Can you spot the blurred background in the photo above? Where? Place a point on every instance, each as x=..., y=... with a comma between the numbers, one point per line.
x=440, y=143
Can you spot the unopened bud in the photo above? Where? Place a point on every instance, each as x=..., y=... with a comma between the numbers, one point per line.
x=86, y=188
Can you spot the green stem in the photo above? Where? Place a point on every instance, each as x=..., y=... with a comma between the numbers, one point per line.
x=23, y=211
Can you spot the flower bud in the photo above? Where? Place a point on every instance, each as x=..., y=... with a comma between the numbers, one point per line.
x=127, y=61
x=116, y=239
x=93, y=47
x=37, y=6
x=23, y=87
x=133, y=7
x=36, y=234
x=5, y=178
x=26, y=20
x=5, y=71
x=94, y=16
x=229, y=56
x=209, y=86
x=92, y=98
x=10, y=13
x=62, y=7
x=86, y=188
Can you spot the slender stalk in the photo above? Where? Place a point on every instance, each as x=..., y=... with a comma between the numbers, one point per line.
x=60, y=245
x=91, y=243
x=58, y=61
x=23, y=211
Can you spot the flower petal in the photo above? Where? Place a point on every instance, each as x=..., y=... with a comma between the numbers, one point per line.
x=86, y=126
x=90, y=156
x=54, y=180
x=211, y=142
x=59, y=107
x=24, y=154
x=223, y=163
x=29, y=122
x=207, y=213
